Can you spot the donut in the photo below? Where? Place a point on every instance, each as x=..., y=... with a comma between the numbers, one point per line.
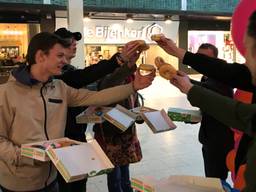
x=146, y=69
x=156, y=37
x=159, y=61
x=167, y=71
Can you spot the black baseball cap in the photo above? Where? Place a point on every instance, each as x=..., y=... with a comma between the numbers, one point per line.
x=64, y=33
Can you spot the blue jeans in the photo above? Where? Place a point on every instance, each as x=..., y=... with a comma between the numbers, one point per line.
x=119, y=179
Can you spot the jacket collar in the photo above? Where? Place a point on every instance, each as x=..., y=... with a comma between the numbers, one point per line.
x=22, y=75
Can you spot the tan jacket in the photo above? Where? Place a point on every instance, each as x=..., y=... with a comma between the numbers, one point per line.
x=27, y=114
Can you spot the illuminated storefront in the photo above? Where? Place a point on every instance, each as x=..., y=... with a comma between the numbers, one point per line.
x=103, y=38
x=221, y=39
x=13, y=42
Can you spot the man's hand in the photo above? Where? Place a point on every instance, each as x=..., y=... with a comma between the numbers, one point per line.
x=131, y=52
x=170, y=47
x=182, y=82
x=141, y=82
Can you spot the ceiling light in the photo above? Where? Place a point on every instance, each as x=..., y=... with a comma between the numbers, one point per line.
x=167, y=20
x=87, y=17
x=129, y=18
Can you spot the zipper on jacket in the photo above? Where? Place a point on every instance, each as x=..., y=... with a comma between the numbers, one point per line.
x=45, y=129
x=45, y=112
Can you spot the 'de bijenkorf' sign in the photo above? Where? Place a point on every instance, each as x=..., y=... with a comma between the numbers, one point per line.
x=119, y=32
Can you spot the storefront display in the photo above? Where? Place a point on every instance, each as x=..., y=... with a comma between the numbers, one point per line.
x=13, y=43
x=13, y=47
x=221, y=39
x=103, y=38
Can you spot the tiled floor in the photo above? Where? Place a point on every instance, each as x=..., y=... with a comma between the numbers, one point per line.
x=168, y=153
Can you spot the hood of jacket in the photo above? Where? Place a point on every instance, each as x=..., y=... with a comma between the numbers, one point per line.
x=22, y=75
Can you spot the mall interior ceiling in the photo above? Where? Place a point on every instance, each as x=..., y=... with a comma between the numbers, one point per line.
x=33, y=13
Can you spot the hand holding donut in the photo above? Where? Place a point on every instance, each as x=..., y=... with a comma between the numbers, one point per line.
x=156, y=37
x=131, y=51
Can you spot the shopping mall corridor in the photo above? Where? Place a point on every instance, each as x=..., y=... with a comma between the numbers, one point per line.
x=169, y=153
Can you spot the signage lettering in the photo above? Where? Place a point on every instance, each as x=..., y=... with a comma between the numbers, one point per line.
x=114, y=32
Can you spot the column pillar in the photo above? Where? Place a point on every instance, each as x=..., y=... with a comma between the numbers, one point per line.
x=75, y=23
x=183, y=5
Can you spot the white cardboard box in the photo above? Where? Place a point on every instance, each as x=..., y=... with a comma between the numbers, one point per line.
x=158, y=121
x=177, y=183
x=80, y=161
x=37, y=151
x=121, y=117
x=75, y=162
x=185, y=115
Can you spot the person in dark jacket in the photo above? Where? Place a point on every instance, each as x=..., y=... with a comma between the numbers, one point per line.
x=216, y=139
x=122, y=148
x=232, y=113
x=79, y=78
x=234, y=75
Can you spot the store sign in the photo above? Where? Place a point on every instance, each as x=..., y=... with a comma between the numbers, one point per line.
x=119, y=32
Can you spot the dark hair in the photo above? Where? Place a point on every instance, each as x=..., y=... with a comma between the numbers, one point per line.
x=43, y=41
x=210, y=46
x=251, y=29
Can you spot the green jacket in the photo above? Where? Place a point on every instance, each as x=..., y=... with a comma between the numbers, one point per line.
x=234, y=114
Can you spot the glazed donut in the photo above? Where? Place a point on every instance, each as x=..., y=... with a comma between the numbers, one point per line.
x=156, y=37
x=159, y=61
x=166, y=70
x=146, y=69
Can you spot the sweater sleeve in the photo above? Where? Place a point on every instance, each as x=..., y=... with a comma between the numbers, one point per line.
x=84, y=97
x=81, y=77
x=228, y=111
x=235, y=75
x=117, y=77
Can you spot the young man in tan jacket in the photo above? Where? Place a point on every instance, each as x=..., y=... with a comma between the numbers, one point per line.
x=33, y=108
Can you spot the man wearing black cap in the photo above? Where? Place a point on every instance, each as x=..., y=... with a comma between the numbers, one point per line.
x=73, y=38
x=79, y=78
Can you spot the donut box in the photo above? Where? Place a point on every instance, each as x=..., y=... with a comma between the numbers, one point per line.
x=184, y=115
x=181, y=183
x=157, y=120
x=92, y=115
x=37, y=150
x=121, y=117
x=75, y=161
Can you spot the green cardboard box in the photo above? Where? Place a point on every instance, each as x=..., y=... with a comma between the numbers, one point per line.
x=184, y=115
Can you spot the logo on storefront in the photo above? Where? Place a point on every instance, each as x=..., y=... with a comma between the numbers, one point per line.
x=153, y=29
x=118, y=32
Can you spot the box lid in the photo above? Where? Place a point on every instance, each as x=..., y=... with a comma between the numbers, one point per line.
x=92, y=115
x=121, y=117
x=76, y=162
x=158, y=121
